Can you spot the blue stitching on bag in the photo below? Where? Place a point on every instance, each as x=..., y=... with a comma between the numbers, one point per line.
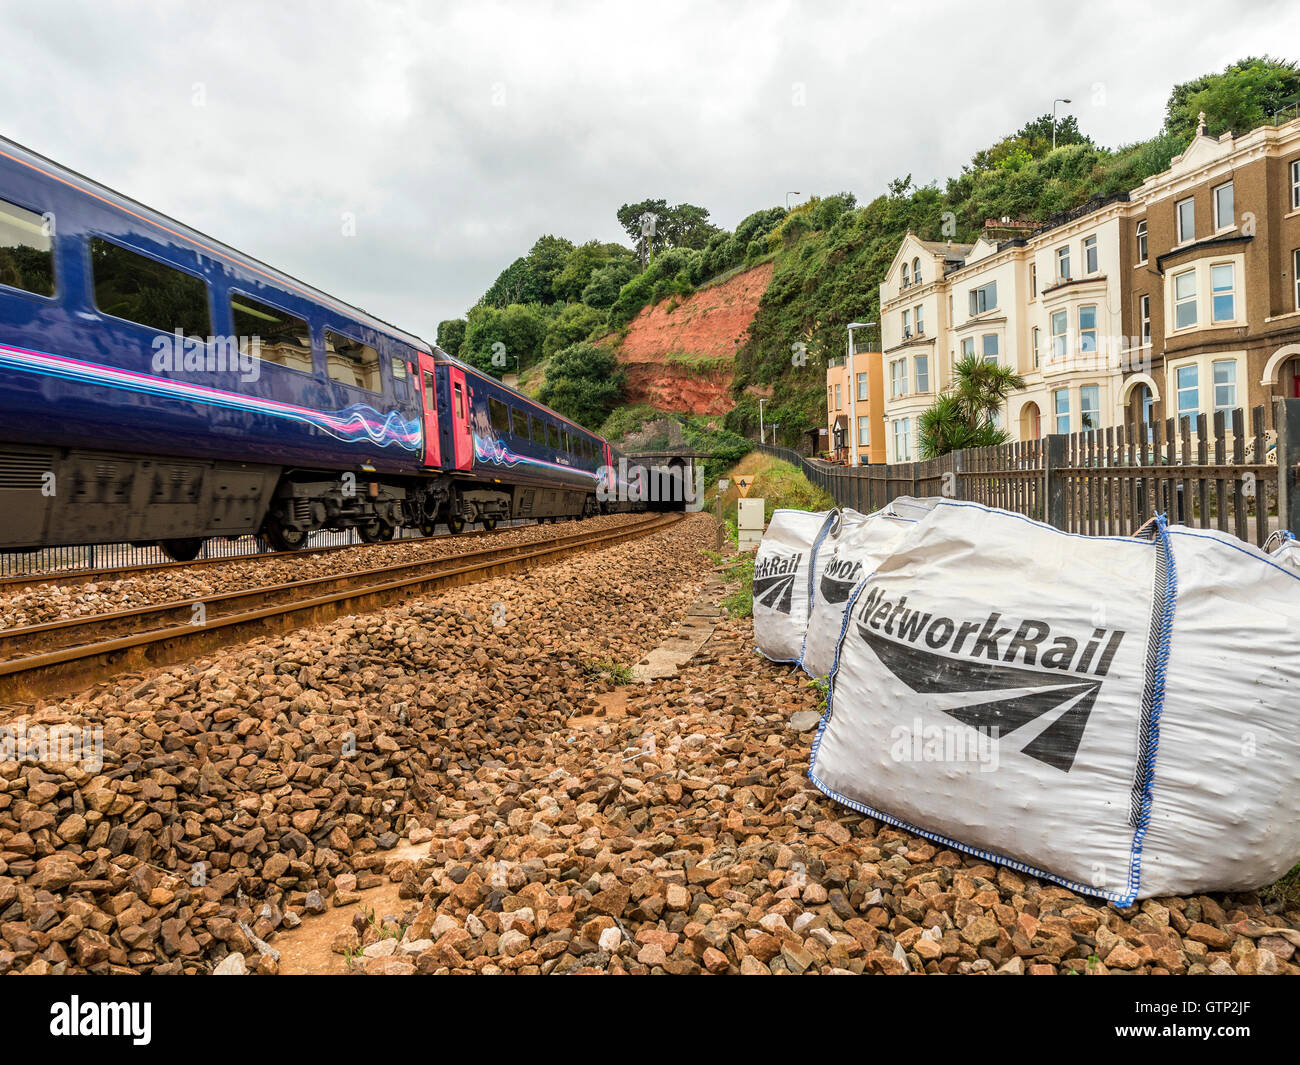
x=1149, y=740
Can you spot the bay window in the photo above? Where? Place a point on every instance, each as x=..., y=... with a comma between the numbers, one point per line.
x=1060, y=323
x=1090, y=407
x=1185, y=299
x=1222, y=292
x=1188, y=390
x=1061, y=408
x=1088, y=327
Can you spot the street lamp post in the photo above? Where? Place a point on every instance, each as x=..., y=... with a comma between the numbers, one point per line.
x=761, y=438
x=853, y=395
x=775, y=427
x=787, y=198
x=1058, y=100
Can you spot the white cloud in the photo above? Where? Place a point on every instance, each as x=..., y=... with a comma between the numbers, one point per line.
x=458, y=133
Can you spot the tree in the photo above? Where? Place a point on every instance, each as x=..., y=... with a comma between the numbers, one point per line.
x=683, y=226
x=1241, y=98
x=451, y=335
x=689, y=226
x=963, y=416
x=546, y=258
x=606, y=283
x=575, y=322
x=518, y=329
x=515, y=284
x=583, y=261
x=1032, y=141
x=584, y=382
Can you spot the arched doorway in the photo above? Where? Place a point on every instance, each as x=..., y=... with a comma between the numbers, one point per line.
x=1139, y=398
x=1031, y=421
x=1282, y=372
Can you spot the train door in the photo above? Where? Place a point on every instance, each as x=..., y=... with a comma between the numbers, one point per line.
x=429, y=397
x=461, y=440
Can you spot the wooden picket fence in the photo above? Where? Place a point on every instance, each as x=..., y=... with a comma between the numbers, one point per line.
x=1220, y=472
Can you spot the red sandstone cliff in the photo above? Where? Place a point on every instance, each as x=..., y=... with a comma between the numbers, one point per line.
x=681, y=359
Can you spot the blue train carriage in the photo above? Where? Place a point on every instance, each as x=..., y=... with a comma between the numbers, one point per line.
x=158, y=386
x=518, y=459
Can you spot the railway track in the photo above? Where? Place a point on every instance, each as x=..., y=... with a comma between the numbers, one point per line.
x=114, y=573
x=72, y=654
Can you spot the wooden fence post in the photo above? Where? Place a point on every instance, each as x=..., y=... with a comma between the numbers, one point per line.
x=1287, y=421
x=1054, y=480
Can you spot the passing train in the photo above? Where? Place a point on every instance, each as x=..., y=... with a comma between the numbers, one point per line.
x=157, y=386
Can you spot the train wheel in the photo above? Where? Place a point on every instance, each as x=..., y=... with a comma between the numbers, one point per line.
x=456, y=525
x=377, y=532
x=281, y=537
x=182, y=550
x=489, y=524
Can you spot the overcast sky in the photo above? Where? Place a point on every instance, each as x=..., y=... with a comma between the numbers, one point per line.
x=455, y=134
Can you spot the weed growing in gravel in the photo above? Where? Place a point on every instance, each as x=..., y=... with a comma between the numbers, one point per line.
x=740, y=572
x=822, y=686
x=1286, y=890
x=615, y=671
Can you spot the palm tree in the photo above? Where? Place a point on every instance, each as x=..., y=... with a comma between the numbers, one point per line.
x=963, y=416
x=982, y=387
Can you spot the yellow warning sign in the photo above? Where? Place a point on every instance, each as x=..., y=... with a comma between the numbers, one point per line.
x=744, y=484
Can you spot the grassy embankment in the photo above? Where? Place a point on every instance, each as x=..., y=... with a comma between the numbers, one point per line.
x=780, y=485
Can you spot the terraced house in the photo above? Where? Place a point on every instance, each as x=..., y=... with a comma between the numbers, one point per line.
x=915, y=317
x=1213, y=289
x=1179, y=298
x=1047, y=306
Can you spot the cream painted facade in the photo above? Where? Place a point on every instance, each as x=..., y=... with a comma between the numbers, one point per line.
x=915, y=320
x=1002, y=301
x=1075, y=381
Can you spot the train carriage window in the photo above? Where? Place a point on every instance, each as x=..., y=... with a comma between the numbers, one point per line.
x=278, y=337
x=499, y=415
x=535, y=429
x=552, y=436
x=351, y=362
x=518, y=422
x=399, y=368
x=566, y=442
x=140, y=289
x=26, y=250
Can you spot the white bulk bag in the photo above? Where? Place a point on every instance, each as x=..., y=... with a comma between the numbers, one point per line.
x=1287, y=551
x=856, y=555
x=1226, y=809
x=842, y=523
x=781, y=573
x=912, y=507
x=1113, y=713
